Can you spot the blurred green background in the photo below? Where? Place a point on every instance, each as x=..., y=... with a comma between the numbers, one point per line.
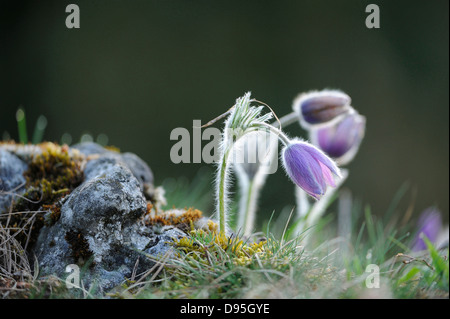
x=135, y=70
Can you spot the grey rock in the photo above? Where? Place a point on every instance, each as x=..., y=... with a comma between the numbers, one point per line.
x=101, y=165
x=90, y=148
x=162, y=242
x=105, y=212
x=114, y=195
x=24, y=152
x=137, y=166
x=11, y=178
x=101, y=227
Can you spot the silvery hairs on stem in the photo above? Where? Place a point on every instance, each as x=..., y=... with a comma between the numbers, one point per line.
x=242, y=119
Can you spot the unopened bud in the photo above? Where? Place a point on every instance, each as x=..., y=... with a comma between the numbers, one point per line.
x=318, y=107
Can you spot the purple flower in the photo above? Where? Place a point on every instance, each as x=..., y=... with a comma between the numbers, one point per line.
x=340, y=140
x=309, y=168
x=319, y=107
x=429, y=225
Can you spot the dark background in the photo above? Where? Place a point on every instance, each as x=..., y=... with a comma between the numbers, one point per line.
x=135, y=70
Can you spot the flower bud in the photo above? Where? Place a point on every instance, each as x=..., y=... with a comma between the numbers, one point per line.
x=318, y=107
x=340, y=140
x=309, y=168
x=429, y=225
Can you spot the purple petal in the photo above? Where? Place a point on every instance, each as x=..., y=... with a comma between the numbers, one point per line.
x=331, y=144
x=430, y=223
x=309, y=168
x=322, y=158
x=327, y=175
x=321, y=106
x=303, y=170
x=341, y=139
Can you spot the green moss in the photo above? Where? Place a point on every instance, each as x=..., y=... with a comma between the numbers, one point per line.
x=220, y=264
x=50, y=176
x=202, y=243
x=54, y=171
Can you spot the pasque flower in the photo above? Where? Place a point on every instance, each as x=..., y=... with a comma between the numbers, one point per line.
x=340, y=140
x=242, y=119
x=305, y=164
x=309, y=168
x=429, y=225
x=318, y=107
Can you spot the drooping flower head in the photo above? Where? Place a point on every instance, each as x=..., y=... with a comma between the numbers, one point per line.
x=340, y=140
x=244, y=118
x=429, y=225
x=309, y=168
x=318, y=107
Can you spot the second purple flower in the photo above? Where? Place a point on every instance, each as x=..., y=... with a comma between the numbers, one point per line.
x=309, y=168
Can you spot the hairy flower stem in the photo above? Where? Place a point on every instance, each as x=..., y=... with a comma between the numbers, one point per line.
x=249, y=208
x=249, y=200
x=303, y=205
x=242, y=119
x=222, y=177
x=222, y=191
x=319, y=207
x=286, y=120
x=281, y=136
